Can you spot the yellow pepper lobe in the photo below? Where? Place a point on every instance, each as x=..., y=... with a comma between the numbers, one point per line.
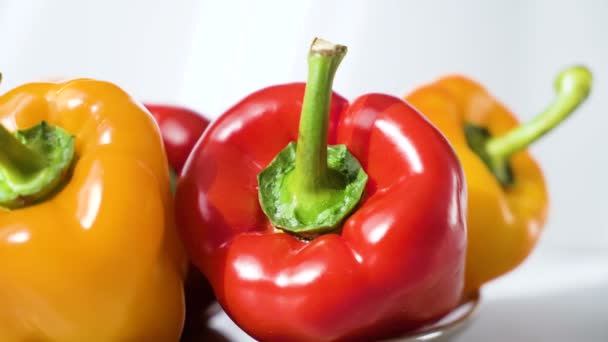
x=100, y=259
x=507, y=203
x=503, y=224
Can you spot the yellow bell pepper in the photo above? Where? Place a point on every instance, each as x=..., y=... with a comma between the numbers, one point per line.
x=88, y=249
x=507, y=194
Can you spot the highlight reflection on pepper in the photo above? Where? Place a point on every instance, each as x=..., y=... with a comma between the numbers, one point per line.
x=85, y=218
x=297, y=250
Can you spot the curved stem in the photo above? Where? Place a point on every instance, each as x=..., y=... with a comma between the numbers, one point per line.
x=311, y=152
x=572, y=86
x=34, y=163
x=310, y=188
x=17, y=160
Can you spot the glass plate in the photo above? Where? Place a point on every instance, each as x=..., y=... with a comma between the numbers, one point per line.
x=450, y=325
x=216, y=327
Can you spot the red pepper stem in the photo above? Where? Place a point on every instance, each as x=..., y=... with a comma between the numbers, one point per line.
x=310, y=188
x=311, y=171
x=572, y=86
x=17, y=161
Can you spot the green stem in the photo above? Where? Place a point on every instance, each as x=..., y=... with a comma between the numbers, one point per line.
x=310, y=188
x=34, y=164
x=311, y=172
x=572, y=86
x=16, y=159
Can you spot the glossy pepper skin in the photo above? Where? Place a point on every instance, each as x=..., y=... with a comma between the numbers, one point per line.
x=180, y=128
x=507, y=192
x=100, y=260
x=398, y=260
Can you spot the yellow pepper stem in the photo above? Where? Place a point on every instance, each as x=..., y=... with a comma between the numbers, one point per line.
x=573, y=86
x=34, y=163
x=16, y=159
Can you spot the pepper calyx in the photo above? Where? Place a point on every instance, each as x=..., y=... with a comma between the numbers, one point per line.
x=477, y=138
x=34, y=164
x=290, y=210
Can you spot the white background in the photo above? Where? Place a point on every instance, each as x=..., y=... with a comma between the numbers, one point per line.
x=209, y=54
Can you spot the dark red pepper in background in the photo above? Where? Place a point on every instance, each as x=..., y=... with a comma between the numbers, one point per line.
x=180, y=129
x=394, y=264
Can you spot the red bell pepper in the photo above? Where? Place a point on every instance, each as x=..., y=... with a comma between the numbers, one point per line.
x=326, y=265
x=181, y=128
